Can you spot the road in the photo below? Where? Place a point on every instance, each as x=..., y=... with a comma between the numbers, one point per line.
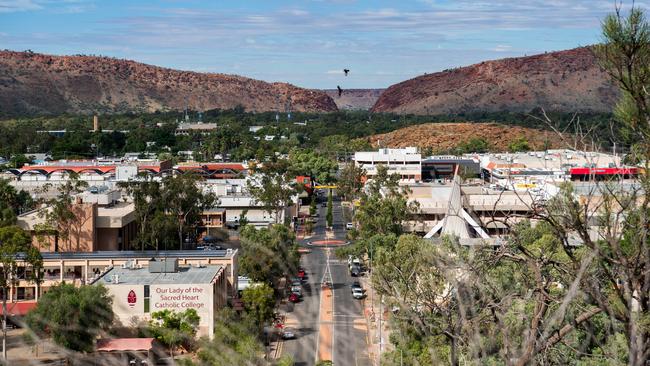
x=348, y=326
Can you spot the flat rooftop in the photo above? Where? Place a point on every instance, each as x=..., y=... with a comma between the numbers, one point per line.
x=142, y=276
x=551, y=160
x=132, y=254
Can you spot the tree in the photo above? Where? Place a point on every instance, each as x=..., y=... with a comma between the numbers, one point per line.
x=519, y=145
x=72, y=316
x=384, y=207
x=350, y=182
x=311, y=164
x=312, y=205
x=329, y=217
x=174, y=329
x=474, y=145
x=64, y=219
x=268, y=253
x=14, y=242
x=235, y=342
x=273, y=186
x=259, y=302
x=185, y=202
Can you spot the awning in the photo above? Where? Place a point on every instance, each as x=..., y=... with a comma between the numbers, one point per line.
x=20, y=308
x=125, y=344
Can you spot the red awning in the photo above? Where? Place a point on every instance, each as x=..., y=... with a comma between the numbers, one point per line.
x=125, y=344
x=19, y=308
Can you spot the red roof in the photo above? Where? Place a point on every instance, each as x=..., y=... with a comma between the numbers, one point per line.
x=19, y=308
x=125, y=344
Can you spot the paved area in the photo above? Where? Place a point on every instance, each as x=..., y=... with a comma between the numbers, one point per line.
x=329, y=323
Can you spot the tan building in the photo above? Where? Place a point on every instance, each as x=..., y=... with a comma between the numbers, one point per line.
x=85, y=267
x=101, y=222
x=139, y=291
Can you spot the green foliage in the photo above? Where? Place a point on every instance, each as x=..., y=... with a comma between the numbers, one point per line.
x=312, y=205
x=268, y=254
x=174, y=329
x=259, y=302
x=350, y=181
x=169, y=211
x=273, y=186
x=72, y=316
x=384, y=207
x=519, y=145
x=329, y=216
x=311, y=164
x=474, y=145
x=235, y=342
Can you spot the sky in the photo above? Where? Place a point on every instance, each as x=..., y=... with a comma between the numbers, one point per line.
x=309, y=42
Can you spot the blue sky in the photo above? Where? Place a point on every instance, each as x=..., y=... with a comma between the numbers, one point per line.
x=306, y=42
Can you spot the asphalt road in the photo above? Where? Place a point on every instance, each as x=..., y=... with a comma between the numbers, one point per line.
x=349, y=327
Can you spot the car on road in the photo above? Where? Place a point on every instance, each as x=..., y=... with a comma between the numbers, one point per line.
x=349, y=226
x=288, y=333
x=356, y=285
x=294, y=298
x=358, y=293
x=296, y=282
x=355, y=271
x=301, y=273
x=324, y=204
x=296, y=290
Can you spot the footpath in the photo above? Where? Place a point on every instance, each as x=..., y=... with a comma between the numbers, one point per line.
x=377, y=322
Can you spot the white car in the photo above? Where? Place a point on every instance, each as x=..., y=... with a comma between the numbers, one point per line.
x=358, y=293
x=288, y=333
x=296, y=290
x=349, y=226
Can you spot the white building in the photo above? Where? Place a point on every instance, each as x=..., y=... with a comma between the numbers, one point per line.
x=406, y=162
x=138, y=291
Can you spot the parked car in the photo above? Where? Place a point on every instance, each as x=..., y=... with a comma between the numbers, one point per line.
x=288, y=333
x=324, y=204
x=358, y=293
x=294, y=298
x=356, y=285
x=349, y=226
x=301, y=273
x=355, y=271
x=296, y=290
x=296, y=282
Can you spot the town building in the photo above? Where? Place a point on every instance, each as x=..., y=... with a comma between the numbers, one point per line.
x=80, y=268
x=406, y=162
x=164, y=284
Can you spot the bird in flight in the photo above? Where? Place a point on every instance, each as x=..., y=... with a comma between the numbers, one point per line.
x=346, y=71
x=340, y=90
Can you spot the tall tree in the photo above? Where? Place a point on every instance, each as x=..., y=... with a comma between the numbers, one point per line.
x=350, y=181
x=273, y=185
x=268, y=254
x=72, y=316
x=259, y=302
x=14, y=242
x=329, y=216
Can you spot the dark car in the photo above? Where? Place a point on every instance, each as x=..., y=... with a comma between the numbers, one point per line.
x=324, y=204
x=356, y=285
x=355, y=271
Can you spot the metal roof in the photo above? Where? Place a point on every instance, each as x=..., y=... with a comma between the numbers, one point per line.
x=140, y=254
x=142, y=276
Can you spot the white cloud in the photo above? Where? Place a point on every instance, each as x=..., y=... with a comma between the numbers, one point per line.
x=502, y=48
x=18, y=5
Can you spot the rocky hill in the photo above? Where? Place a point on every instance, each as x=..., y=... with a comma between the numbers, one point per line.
x=446, y=136
x=355, y=99
x=42, y=84
x=565, y=81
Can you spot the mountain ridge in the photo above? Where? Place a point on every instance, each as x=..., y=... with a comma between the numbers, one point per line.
x=34, y=83
x=561, y=81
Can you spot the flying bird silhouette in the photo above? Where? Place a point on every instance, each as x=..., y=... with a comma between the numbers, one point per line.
x=346, y=71
x=340, y=90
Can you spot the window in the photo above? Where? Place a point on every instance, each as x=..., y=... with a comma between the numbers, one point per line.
x=146, y=298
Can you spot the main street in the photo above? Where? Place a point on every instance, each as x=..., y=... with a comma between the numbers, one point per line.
x=343, y=331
